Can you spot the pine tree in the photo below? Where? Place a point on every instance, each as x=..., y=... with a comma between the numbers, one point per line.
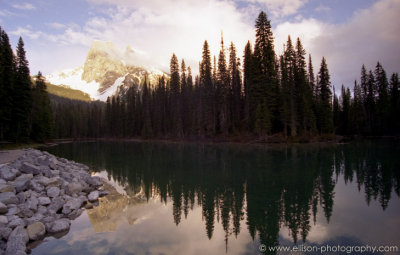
x=288, y=90
x=235, y=87
x=325, y=118
x=304, y=100
x=394, y=104
x=382, y=103
x=248, y=84
x=223, y=92
x=336, y=113
x=42, y=116
x=369, y=103
x=266, y=83
x=207, y=91
x=357, y=112
x=7, y=80
x=21, y=96
x=175, y=102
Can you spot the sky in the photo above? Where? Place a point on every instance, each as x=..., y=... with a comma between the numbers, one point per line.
x=349, y=33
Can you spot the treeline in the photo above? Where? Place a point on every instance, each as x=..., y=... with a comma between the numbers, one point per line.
x=25, y=112
x=267, y=95
x=374, y=108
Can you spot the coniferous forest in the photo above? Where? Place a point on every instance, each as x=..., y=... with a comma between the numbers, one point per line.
x=261, y=96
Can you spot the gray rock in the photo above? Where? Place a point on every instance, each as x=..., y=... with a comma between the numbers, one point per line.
x=17, y=240
x=42, y=209
x=2, y=181
x=22, y=197
x=3, y=220
x=3, y=208
x=42, y=179
x=93, y=196
x=32, y=203
x=8, y=198
x=24, y=176
x=16, y=222
x=103, y=193
x=12, y=210
x=36, y=231
x=26, y=213
x=59, y=226
x=6, y=188
x=8, y=173
x=56, y=204
x=72, y=205
x=74, y=188
x=29, y=168
x=21, y=184
x=36, y=186
x=5, y=232
x=34, y=218
x=75, y=214
x=53, y=192
x=44, y=201
x=54, y=181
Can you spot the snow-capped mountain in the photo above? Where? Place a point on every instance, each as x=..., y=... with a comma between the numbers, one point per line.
x=106, y=71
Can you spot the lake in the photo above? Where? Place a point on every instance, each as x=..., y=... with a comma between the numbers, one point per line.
x=174, y=198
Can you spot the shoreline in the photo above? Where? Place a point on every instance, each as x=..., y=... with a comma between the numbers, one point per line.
x=40, y=194
x=331, y=140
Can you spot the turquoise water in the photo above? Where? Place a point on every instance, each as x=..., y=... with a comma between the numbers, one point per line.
x=230, y=199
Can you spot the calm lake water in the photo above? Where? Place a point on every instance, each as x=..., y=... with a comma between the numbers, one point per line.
x=229, y=199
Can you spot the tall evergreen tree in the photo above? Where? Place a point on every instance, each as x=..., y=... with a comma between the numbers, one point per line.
x=304, y=91
x=265, y=79
x=7, y=80
x=223, y=92
x=42, y=116
x=382, y=103
x=395, y=104
x=236, y=86
x=207, y=91
x=175, y=103
x=325, y=118
x=21, y=96
x=248, y=74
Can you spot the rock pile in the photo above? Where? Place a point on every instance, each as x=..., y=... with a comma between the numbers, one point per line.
x=39, y=195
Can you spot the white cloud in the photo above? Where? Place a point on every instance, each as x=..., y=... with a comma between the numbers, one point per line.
x=24, y=6
x=279, y=8
x=322, y=8
x=20, y=31
x=157, y=28
x=173, y=27
x=371, y=35
x=56, y=25
x=306, y=29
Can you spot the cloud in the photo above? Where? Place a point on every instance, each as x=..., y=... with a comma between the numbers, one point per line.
x=306, y=29
x=178, y=27
x=24, y=6
x=20, y=31
x=56, y=25
x=279, y=8
x=371, y=35
x=322, y=8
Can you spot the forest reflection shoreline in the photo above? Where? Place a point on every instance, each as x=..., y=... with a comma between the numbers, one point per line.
x=269, y=187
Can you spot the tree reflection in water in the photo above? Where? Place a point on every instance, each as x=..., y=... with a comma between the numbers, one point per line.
x=270, y=186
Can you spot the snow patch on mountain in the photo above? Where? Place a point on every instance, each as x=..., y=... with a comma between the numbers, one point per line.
x=111, y=90
x=72, y=78
x=107, y=71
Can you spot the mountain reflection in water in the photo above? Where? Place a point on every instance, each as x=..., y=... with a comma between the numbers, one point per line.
x=275, y=195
